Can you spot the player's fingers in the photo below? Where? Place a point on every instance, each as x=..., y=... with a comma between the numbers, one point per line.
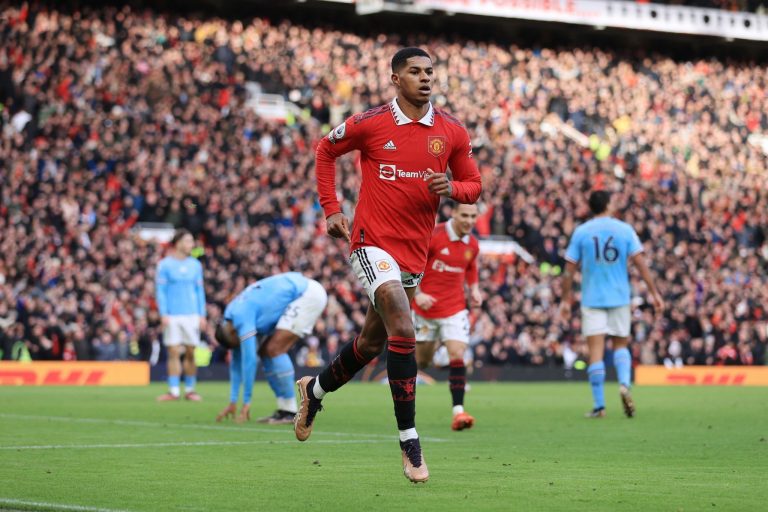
x=345, y=228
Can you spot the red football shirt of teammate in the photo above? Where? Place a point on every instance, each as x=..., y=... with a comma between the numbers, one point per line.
x=451, y=260
x=396, y=211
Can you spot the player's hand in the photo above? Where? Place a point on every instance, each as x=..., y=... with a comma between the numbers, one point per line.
x=424, y=301
x=164, y=321
x=228, y=412
x=475, y=298
x=203, y=323
x=245, y=414
x=658, y=302
x=438, y=183
x=338, y=226
x=565, y=311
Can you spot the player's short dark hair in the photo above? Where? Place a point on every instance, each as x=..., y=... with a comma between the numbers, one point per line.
x=178, y=235
x=598, y=201
x=225, y=334
x=402, y=56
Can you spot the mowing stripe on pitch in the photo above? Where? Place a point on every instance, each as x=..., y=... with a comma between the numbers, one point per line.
x=43, y=505
x=180, y=443
x=220, y=428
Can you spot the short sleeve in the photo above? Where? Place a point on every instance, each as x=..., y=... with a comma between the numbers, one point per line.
x=573, y=253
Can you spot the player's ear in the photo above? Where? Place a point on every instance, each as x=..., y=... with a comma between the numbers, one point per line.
x=395, y=79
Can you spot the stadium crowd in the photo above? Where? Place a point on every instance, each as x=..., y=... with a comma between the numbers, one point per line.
x=112, y=117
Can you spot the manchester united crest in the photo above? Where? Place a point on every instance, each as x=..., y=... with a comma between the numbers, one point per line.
x=467, y=255
x=436, y=145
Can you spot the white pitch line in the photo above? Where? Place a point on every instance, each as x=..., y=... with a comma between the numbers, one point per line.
x=54, y=506
x=222, y=428
x=180, y=443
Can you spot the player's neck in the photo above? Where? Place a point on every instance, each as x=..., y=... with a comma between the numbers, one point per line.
x=412, y=112
x=456, y=229
x=179, y=255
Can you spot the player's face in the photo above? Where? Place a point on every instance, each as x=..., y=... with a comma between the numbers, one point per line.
x=185, y=245
x=464, y=218
x=226, y=335
x=414, y=80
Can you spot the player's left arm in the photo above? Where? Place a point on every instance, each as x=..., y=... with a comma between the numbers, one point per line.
x=466, y=185
x=572, y=259
x=473, y=280
x=200, y=295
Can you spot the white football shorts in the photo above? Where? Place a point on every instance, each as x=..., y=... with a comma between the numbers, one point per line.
x=453, y=328
x=301, y=314
x=182, y=330
x=608, y=321
x=374, y=267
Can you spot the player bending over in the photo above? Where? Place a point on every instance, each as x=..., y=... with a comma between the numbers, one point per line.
x=278, y=310
x=439, y=308
x=406, y=146
x=602, y=247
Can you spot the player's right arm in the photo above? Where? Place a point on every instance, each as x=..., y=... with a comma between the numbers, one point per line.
x=249, y=362
x=344, y=138
x=161, y=289
x=235, y=379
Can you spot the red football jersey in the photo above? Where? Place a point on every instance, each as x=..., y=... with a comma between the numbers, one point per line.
x=451, y=261
x=395, y=211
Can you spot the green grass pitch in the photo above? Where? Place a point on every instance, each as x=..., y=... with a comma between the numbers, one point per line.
x=688, y=449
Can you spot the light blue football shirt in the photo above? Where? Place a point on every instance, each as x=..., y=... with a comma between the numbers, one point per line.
x=602, y=248
x=257, y=309
x=179, y=287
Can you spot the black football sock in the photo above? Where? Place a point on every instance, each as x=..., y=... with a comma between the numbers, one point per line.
x=342, y=368
x=401, y=368
x=457, y=380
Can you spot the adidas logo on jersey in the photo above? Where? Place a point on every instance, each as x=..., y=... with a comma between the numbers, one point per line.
x=445, y=251
x=390, y=145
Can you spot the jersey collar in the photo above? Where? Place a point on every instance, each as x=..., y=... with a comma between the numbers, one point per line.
x=452, y=236
x=401, y=118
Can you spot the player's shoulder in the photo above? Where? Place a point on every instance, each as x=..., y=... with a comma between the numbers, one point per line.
x=474, y=242
x=439, y=229
x=448, y=117
x=370, y=114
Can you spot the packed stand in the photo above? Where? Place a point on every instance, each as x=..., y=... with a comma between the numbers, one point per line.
x=113, y=117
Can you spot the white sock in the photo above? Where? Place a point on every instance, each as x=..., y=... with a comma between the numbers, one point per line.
x=458, y=409
x=317, y=390
x=287, y=404
x=409, y=433
x=175, y=391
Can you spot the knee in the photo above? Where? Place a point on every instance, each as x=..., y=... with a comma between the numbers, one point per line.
x=401, y=326
x=370, y=346
x=456, y=352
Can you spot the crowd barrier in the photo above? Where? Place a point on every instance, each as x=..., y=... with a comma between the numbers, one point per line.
x=42, y=373
x=134, y=373
x=702, y=376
